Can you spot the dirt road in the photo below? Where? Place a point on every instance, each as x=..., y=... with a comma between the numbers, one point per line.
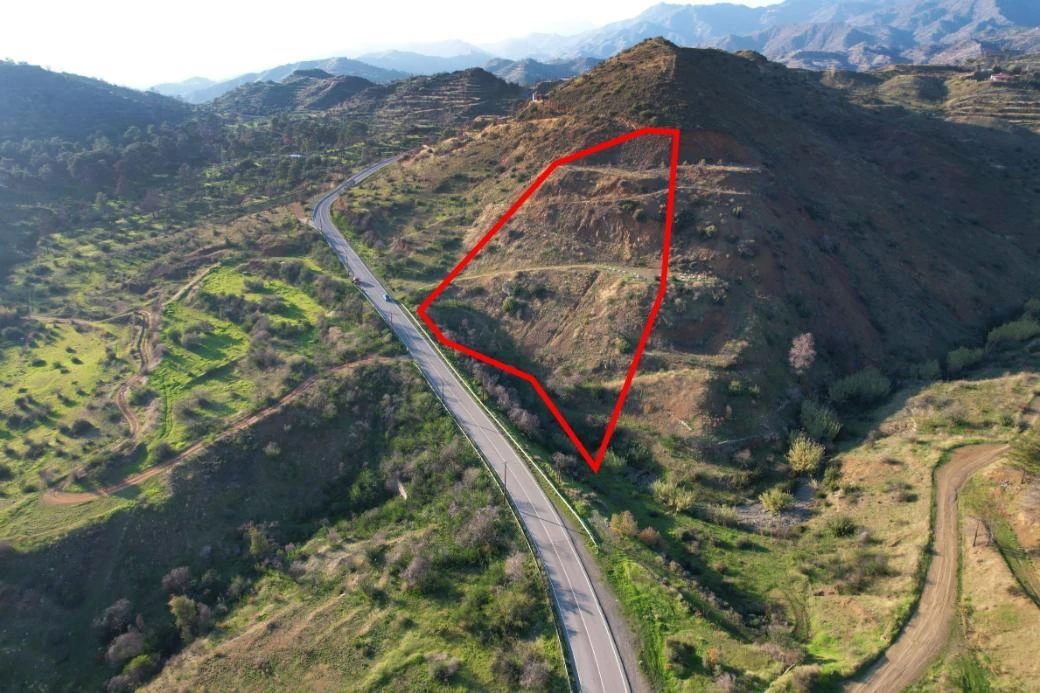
x=925, y=635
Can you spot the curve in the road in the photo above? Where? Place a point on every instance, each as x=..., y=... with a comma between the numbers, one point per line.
x=594, y=650
x=925, y=635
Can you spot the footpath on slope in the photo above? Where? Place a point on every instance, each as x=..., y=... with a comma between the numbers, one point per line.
x=925, y=635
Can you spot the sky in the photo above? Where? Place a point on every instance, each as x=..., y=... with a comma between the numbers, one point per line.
x=140, y=43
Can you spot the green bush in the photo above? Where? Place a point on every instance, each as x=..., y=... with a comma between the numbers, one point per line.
x=1015, y=331
x=926, y=370
x=820, y=421
x=864, y=387
x=841, y=526
x=805, y=454
x=960, y=359
x=775, y=500
x=673, y=496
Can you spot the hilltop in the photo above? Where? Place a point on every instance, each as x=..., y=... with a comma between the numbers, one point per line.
x=303, y=90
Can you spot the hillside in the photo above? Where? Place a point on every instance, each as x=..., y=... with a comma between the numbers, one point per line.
x=435, y=101
x=994, y=93
x=344, y=67
x=888, y=233
x=823, y=190
x=38, y=103
x=529, y=72
x=303, y=90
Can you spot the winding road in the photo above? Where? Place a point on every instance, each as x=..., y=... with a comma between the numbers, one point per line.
x=925, y=635
x=594, y=650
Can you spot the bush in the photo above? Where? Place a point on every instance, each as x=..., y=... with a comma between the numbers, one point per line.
x=805, y=454
x=673, y=496
x=820, y=421
x=176, y=580
x=864, y=387
x=624, y=524
x=535, y=674
x=776, y=500
x=841, y=526
x=1016, y=331
x=651, y=537
x=926, y=370
x=963, y=358
x=124, y=647
x=113, y=620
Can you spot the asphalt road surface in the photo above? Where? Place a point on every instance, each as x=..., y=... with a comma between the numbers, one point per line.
x=593, y=647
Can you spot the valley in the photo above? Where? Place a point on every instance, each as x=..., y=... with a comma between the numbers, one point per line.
x=245, y=443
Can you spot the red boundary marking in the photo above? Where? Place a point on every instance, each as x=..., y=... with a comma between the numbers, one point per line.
x=421, y=311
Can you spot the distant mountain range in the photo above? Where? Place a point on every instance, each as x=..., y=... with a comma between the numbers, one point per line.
x=816, y=34
x=850, y=34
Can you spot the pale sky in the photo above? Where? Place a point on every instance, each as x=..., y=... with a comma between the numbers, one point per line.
x=141, y=43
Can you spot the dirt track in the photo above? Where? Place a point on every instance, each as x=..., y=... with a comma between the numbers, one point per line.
x=925, y=635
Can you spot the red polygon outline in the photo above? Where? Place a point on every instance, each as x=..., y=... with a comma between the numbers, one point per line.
x=421, y=311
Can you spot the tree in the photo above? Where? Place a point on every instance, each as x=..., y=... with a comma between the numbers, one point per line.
x=176, y=580
x=805, y=454
x=802, y=353
x=186, y=615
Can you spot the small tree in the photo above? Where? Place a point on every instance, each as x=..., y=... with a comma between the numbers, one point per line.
x=820, y=421
x=805, y=454
x=624, y=524
x=776, y=500
x=186, y=615
x=802, y=353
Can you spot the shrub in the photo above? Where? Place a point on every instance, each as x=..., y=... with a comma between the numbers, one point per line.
x=113, y=620
x=963, y=358
x=1017, y=331
x=841, y=526
x=863, y=387
x=802, y=353
x=535, y=674
x=186, y=615
x=419, y=573
x=176, y=580
x=820, y=421
x=805, y=454
x=673, y=496
x=926, y=370
x=650, y=536
x=5, y=472
x=624, y=524
x=124, y=647
x=272, y=449
x=776, y=500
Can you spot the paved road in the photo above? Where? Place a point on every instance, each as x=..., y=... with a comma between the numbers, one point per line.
x=592, y=645
x=924, y=637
